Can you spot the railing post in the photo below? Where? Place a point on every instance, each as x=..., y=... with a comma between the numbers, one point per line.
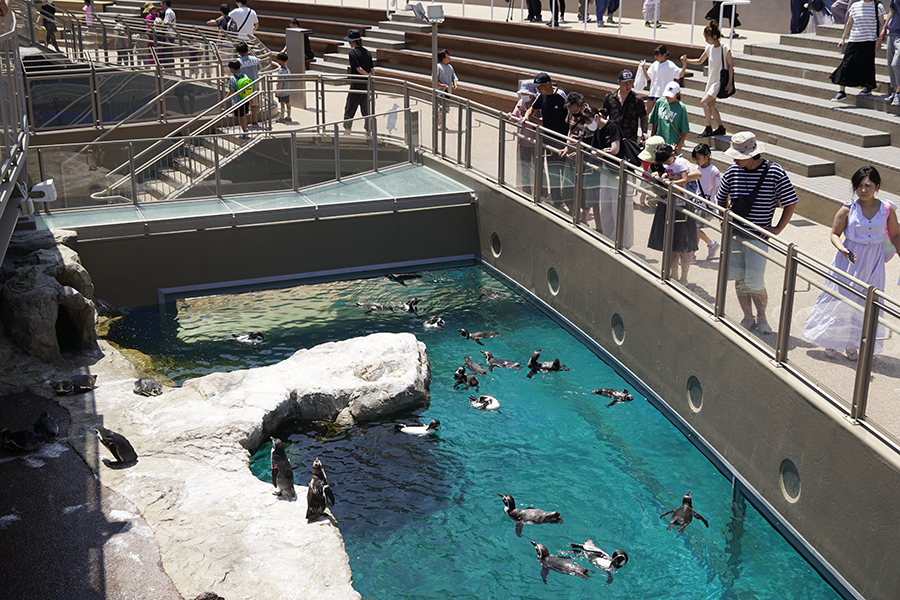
x=459, y=134
x=410, y=123
x=787, y=305
x=724, y=259
x=216, y=165
x=501, y=152
x=668, y=234
x=133, y=177
x=866, y=350
x=538, y=179
x=160, y=86
x=337, y=154
x=95, y=98
x=577, y=199
x=374, y=130
x=405, y=94
x=295, y=176
x=434, y=125
x=620, y=208
x=468, y=164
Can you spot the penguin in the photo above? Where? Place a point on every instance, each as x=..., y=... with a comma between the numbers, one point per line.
x=558, y=564
x=484, y=402
x=616, y=395
x=409, y=307
x=22, y=441
x=45, y=427
x=370, y=306
x=463, y=378
x=117, y=444
x=251, y=337
x=474, y=367
x=478, y=335
x=402, y=278
x=147, y=386
x=435, y=322
x=682, y=517
x=527, y=516
x=76, y=385
x=416, y=429
x=498, y=362
x=536, y=366
x=491, y=294
x=282, y=472
x=601, y=559
x=318, y=493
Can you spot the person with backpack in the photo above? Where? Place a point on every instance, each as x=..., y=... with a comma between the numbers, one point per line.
x=223, y=20
x=243, y=20
x=239, y=87
x=250, y=68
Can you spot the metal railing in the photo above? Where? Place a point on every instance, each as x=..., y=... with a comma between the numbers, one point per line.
x=12, y=107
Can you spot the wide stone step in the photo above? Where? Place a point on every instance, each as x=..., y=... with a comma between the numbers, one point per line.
x=817, y=42
x=330, y=65
x=812, y=72
x=403, y=24
x=384, y=31
x=373, y=43
x=807, y=56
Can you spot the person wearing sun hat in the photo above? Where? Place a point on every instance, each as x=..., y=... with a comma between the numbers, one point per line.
x=648, y=156
x=752, y=188
x=361, y=63
x=525, y=138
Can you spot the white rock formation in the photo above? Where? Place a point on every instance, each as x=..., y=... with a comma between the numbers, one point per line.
x=220, y=528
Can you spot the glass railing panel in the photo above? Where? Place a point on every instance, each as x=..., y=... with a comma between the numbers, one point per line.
x=885, y=380
x=647, y=199
x=124, y=92
x=698, y=270
x=485, y=142
x=81, y=174
x=392, y=146
x=556, y=174
x=518, y=165
x=256, y=165
x=61, y=101
x=315, y=156
x=355, y=148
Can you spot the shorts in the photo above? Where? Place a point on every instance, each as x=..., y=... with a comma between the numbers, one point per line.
x=747, y=264
x=652, y=99
x=286, y=98
x=242, y=110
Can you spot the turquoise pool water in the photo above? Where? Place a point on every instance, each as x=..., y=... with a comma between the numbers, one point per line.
x=421, y=517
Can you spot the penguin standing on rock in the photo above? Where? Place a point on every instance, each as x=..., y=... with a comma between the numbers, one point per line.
x=558, y=564
x=527, y=516
x=682, y=517
x=76, y=385
x=601, y=559
x=616, y=395
x=282, y=472
x=147, y=386
x=46, y=427
x=319, y=493
x=116, y=443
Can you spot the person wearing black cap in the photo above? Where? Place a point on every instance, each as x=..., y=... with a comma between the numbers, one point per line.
x=626, y=109
x=552, y=106
x=360, y=64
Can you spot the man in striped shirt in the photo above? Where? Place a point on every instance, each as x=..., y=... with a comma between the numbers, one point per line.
x=753, y=187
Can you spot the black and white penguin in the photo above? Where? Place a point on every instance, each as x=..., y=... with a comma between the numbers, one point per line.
x=535, y=366
x=20, y=441
x=499, y=362
x=558, y=564
x=416, y=429
x=463, y=378
x=484, y=402
x=434, y=322
x=489, y=293
x=45, y=427
x=147, y=386
x=78, y=384
x=250, y=337
x=409, y=307
x=474, y=367
x=117, y=444
x=601, y=559
x=527, y=516
x=478, y=335
x=371, y=306
x=402, y=278
x=616, y=395
x=682, y=517
x=319, y=493
x=282, y=472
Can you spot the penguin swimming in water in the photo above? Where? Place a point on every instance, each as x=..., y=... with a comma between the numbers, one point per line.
x=409, y=307
x=21, y=441
x=319, y=493
x=558, y=564
x=435, y=322
x=536, y=366
x=616, y=395
x=474, y=367
x=478, y=335
x=484, y=402
x=371, y=306
x=46, y=427
x=416, y=429
x=282, y=472
x=402, y=278
x=601, y=559
x=499, y=362
x=147, y=386
x=682, y=517
x=76, y=385
x=117, y=444
x=491, y=294
x=527, y=516
x=463, y=378
x=251, y=337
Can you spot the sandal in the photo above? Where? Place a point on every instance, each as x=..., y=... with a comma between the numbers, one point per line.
x=831, y=353
x=852, y=354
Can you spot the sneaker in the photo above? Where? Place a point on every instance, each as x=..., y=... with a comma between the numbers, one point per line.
x=896, y=101
x=712, y=250
x=693, y=259
x=707, y=132
x=865, y=92
x=831, y=353
x=839, y=96
x=658, y=24
x=852, y=354
x=720, y=130
x=244, y=137
x=610, y=20
x=762, y=326
x=889, y=98
x=748, y=323
x=646, y=23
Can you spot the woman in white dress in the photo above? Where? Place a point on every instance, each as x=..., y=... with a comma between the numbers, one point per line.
x=719, y=55
x=865, y=223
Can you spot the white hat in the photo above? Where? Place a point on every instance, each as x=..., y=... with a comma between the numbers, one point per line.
x=672, y=90
x=744, y=145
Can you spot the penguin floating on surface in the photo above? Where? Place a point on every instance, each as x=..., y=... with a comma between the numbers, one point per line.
x=76, y=385
x=489, y=293
x=558, y=564
x=116, y=443
x=282, y=472
x=499, y=362
x=46, y=427
x=463, y=378
x=402, y=278
x=319, y=493
x=484, y=402
x=251, y=337
x=535, y=366
x=372, y=306
x=478, y=335
x=435, y=322
x=527, y=516
x=616, y=395
x=682, y=517
x=409, y=307
x=416, y=429
x=20, y=441
x=601, y=559
x=147, y=386
x=474, y=367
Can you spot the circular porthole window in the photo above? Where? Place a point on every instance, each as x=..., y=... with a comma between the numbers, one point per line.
x=695, y=393
x=496, y=247
x=553, y=281
x=790, y=480
x=618, y=329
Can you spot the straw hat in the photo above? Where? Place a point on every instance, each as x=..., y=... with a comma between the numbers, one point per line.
x=648, y=154
x=744, y=145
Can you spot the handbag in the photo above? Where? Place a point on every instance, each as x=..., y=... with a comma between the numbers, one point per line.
x=742, y=205
x=723, y=79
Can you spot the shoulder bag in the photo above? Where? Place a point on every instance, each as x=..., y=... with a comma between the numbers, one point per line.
x=723, y=79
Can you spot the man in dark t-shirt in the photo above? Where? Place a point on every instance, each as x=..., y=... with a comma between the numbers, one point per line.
x=360, y=64
x=626, y=109
x=552, y=106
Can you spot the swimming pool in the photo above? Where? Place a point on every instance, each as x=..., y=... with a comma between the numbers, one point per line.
x=421, y=517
